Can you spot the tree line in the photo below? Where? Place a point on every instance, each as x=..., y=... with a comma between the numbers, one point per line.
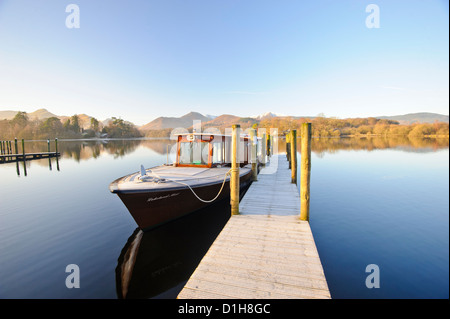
x=333, y=127
x=22, y=127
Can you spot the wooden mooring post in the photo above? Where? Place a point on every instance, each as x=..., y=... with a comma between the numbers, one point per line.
x=234, y=179
x=293, y=150
x=305, y=171
x=254, y=142
x=263, y=150
x=288, y=149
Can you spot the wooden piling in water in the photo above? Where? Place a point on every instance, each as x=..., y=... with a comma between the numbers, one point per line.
x=253, y=159
x=305, y=171
x=288, y=148
x=263, y=150
x=293, y=150
x=234, y=179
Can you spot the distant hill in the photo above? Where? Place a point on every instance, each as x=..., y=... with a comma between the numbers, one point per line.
x=266, y=115
x=38, y=114
x=42, y=114
x=173, y=122
x=423, y=117
x=7, y=115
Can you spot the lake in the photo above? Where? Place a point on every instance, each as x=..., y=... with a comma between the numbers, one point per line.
x=381, y=201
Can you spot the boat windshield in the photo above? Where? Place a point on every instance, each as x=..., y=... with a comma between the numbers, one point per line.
x=207, y=150
x=194, y=153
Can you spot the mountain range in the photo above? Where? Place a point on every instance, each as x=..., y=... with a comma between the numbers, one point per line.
x=84, y=120
x=224, y=120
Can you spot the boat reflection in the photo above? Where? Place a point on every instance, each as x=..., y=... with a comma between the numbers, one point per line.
x=157, y=263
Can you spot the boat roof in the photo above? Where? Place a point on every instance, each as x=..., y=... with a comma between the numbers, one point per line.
x=213, y=134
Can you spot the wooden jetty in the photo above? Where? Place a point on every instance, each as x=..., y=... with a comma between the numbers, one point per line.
x=264, y=252
x=7, y=155
x=9, y=158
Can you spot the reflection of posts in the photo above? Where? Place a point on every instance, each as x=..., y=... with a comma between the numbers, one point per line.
x=234, y=180
x=305, y=171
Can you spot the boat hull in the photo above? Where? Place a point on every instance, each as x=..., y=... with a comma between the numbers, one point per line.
x=156, y=207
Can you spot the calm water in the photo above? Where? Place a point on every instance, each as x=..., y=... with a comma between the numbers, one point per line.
x=374, y=201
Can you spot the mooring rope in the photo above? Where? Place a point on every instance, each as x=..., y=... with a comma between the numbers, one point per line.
x=193, y=192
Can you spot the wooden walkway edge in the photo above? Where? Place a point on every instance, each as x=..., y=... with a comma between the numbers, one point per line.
x=265, y=252
x=10, y=158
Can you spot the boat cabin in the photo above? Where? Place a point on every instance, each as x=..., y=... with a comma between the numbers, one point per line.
x=207, y=150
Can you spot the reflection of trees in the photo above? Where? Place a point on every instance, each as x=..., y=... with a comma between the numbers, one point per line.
x=83, y=150
x=159, y=146
x=320, y=146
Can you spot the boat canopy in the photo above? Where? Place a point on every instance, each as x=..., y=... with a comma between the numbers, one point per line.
x=208, y=150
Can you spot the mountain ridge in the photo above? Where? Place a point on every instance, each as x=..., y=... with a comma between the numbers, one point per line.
x=187, y=119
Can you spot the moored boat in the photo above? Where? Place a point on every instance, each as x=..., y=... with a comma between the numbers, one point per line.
x=198, y=177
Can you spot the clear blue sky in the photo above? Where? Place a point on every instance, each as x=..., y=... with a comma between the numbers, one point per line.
x=140, y=59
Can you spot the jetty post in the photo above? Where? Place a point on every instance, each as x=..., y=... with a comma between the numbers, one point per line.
x=15, y=146
x=234, y=179
x=23, y=149
x=263, y=150
x=293, y=142
x=254, y=142
x=288, y=148
x=305, y=171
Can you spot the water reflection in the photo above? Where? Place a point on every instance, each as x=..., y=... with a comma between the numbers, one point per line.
x=321, y=146
x=24, y=164
x=86, y=149
x=157, y=263
x=80, y=150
